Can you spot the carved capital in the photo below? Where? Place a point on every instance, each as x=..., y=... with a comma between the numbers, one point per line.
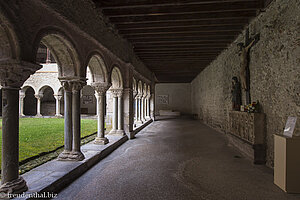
x=117, y=92
x=101, y=88
x=72, y=84
x=13, y=73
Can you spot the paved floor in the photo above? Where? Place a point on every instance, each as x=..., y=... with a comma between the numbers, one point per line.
x=176, y=159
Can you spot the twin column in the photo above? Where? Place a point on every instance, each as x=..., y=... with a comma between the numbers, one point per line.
x=118, y=118
x=72, y=120
x=142, y=108
x=101, y=89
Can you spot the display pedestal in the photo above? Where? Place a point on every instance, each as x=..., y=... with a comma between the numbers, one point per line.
x=287, y=163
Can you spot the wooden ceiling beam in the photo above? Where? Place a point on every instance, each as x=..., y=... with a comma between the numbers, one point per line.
x=184, y=41
x=179, y=45
x=177, y=38
x=182, y=36
x=150, y=3
x=203, y=16
x=182, y=29
x=182, y=9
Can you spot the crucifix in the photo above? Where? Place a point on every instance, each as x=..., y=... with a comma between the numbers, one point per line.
x=245, y=60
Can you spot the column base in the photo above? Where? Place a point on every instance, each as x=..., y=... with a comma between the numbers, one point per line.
x=64, y=155
x=38, y=115
x=58, y=115
x=139, y=122
x=76, y=156
x=16, y=186
x=101, y=141
x=22, y=115
x=112, y=132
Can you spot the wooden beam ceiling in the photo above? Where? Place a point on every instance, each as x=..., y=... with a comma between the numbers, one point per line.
x=176, y=39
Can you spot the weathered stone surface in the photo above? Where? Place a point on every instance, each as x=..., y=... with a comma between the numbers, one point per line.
x=274, y=73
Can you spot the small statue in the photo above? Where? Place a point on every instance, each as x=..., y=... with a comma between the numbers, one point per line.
x=236, y=94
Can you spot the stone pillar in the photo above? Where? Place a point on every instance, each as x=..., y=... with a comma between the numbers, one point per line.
x=135, y=108
x=97, y=102
x=68, y=135
x=139, y=110
x=115, y=113
x=21, y=108
x=58, y=99
x=148, y=106
x=143, y=109
x=152, y=106
x=101, y=89
x=13, y=74
x=76, y=153
x=120, y=130
x=72, y=87
x=38, y=109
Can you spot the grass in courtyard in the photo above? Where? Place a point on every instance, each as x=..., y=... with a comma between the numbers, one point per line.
x=39, y=135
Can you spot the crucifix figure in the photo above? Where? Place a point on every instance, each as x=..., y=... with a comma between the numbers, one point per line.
x=244, y=56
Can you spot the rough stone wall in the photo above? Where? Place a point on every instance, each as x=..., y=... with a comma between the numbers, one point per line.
x=274, y=72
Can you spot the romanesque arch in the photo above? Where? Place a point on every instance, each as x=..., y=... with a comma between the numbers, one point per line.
x=97, y=68
x=116, y=78
x=116, y=105
x=63, y=50
x=30, y=102
x=47, y=101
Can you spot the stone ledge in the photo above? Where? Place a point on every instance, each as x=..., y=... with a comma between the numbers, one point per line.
x=140, y=127
x=55, y=175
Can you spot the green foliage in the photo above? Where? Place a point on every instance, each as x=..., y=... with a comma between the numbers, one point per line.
x=39, y=135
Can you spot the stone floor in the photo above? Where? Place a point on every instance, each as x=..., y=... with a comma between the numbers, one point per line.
x=176, y=159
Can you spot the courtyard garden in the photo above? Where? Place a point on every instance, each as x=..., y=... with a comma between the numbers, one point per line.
x=39, y=135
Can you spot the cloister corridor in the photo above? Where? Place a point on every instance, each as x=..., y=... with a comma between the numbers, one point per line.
x=176, y=159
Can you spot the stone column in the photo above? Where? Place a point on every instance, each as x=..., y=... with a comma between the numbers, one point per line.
x=97, y=102
x=68, y=135
x=38, y=109
x=115, y=113
x=58, y=99
x=135, y=108
x=21, y=108
x=101, y=89
x=143, y=108
x=76, y=153
x=148, y=106
x=13, y=74
x=120, y=130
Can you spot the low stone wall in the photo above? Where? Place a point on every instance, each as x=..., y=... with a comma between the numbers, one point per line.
x=274, y=73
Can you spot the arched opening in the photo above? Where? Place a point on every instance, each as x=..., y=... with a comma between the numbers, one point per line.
x=96, y=71
x=30, y=102
x=115, y=102
x=56, y=48
x=88, y=100
x=47, y=101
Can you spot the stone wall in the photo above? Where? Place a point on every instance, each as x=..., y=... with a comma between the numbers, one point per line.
x=179, y=97
x=274, y=72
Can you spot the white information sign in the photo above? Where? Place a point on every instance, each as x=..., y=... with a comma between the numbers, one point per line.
x=290, y=126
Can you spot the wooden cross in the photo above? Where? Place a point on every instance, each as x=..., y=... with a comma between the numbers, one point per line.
x=245, y=60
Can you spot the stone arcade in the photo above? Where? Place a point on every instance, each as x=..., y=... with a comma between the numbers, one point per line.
x=113, y=59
